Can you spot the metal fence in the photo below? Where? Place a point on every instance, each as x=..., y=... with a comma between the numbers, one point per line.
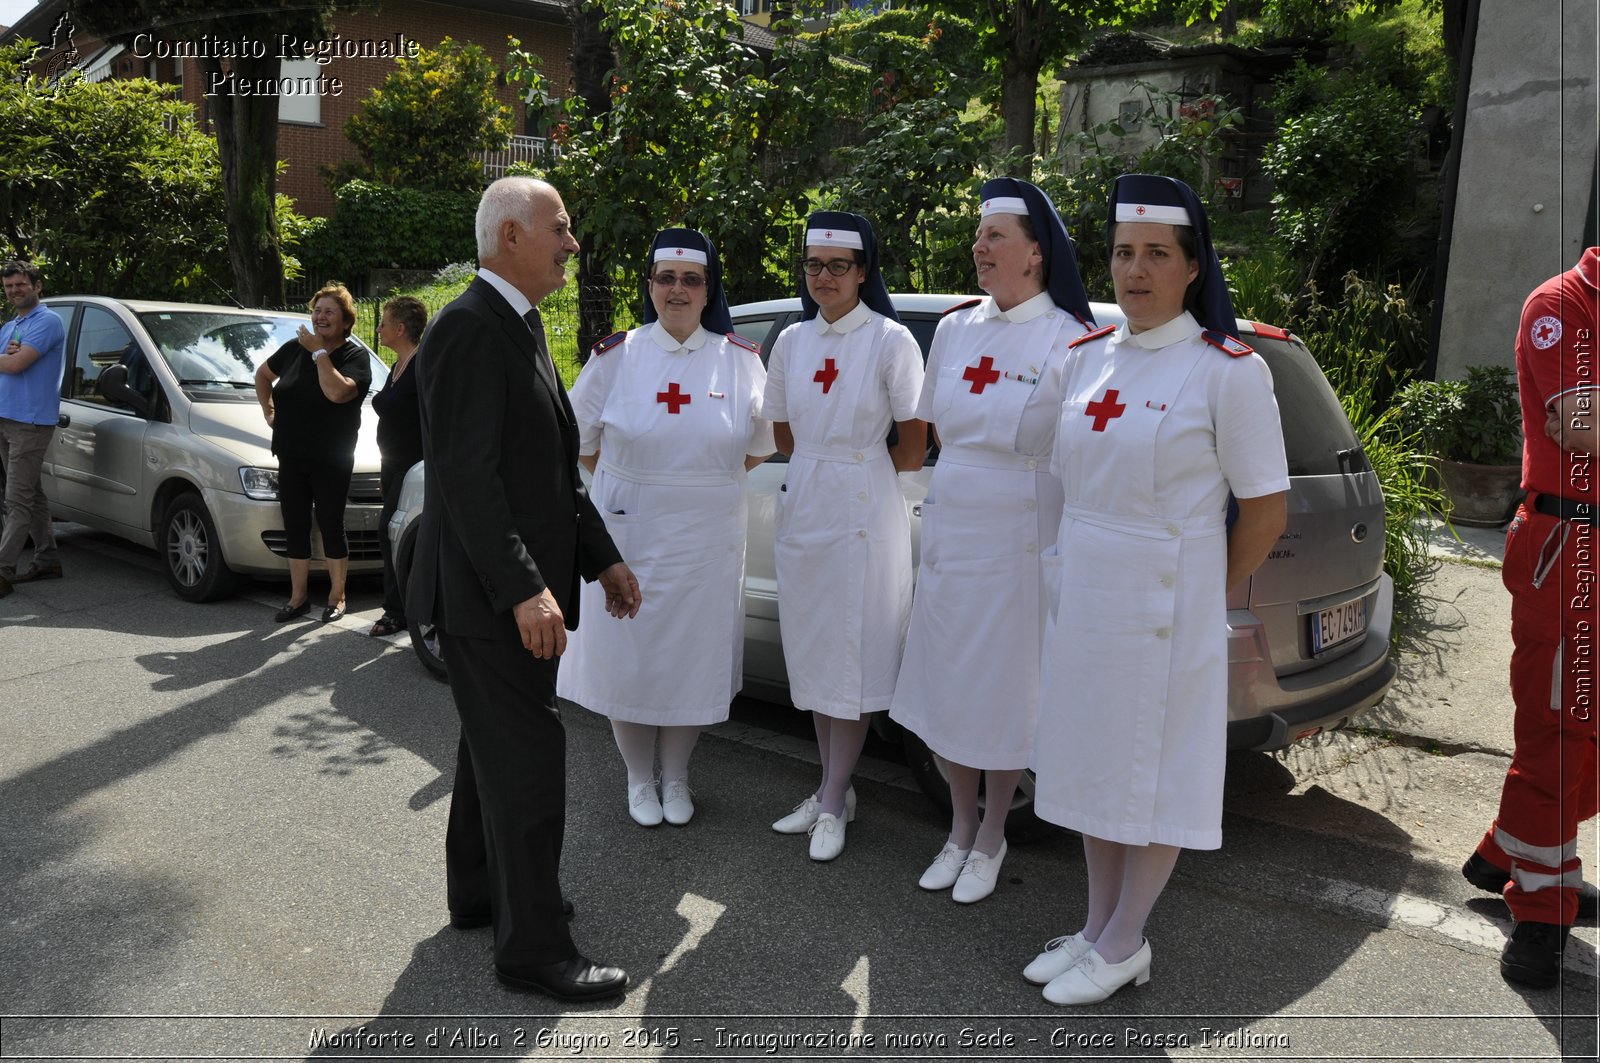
x=521, y=149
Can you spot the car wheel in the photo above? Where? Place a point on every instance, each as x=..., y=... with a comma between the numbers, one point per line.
x=929, y=769
x=191, y=551
x=424, y=637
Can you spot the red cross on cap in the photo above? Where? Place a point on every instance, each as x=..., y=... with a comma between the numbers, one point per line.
x=678, y=251
x=984, y=205
x=1138, y=210
x=828, y=233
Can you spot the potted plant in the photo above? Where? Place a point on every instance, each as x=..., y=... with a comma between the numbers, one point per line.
x=1473, y=429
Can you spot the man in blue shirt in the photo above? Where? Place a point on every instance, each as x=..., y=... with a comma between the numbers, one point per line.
x=32, y=356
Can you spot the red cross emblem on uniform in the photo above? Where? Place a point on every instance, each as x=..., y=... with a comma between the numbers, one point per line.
x=678, y=251
x=1138, y=210
x=1545, y=332
x=1104, y=409
x=982, y=375
x=673, y=397
x=826, y=375
x=827, y=234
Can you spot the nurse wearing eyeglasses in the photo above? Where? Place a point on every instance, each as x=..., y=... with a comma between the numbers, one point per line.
x=669, y=419
x=836, y=381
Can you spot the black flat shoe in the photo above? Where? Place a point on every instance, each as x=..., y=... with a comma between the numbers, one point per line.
x=577, y=979
x=289, y=612
x=332, y=613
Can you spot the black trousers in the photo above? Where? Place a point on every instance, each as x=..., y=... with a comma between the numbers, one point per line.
x=324, y=486
x=391, y=478
x=508, y=811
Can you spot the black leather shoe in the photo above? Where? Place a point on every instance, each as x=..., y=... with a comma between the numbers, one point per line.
x=289, y=612
x=475, y=920
x=1484, y=875
x=332, y=613
x=1533, y=955
x=576, y=979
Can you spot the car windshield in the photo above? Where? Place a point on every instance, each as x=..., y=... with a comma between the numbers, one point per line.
x=221, y=349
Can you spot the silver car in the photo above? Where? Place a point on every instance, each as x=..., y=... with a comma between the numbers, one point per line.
x=161, y=440
x=1308, y=634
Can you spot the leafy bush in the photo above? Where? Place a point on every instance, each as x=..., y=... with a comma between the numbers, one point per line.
x=427, y=124
x=1341, y=169
x=381, y=227
x=1475, y=420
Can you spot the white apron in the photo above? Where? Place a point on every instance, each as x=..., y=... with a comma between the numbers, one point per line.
x=969, y=684
x=843, y=537
x=1132, y=727
x=671, y=488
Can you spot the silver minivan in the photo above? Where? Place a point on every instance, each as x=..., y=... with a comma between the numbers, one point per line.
x=1308, y=634
x=161, y=440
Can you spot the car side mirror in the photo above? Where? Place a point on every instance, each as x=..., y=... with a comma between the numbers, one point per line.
x=112, y=383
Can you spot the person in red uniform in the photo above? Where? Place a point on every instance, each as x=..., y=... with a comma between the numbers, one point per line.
x=1552, y=549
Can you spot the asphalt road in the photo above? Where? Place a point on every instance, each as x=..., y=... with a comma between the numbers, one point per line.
x=222, y=838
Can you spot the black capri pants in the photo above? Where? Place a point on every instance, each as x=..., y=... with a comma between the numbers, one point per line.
x=304, y=486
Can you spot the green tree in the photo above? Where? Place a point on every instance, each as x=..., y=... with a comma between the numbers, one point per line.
x=245, y=123
x=693, y=130
x=429, y=121
x=109, y=184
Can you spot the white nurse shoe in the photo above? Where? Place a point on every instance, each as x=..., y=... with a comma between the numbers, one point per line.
x=945, y=869
x=827, y=838
x=1092, y=979
x=804, y=816
x=1058, y=956
x=644, y=805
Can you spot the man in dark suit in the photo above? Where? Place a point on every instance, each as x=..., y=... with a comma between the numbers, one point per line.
x=507, y=529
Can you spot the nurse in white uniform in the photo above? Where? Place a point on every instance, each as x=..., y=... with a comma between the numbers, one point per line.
x=836, y=381
x=669, y=420
x=1164, y=417
x=969, y=684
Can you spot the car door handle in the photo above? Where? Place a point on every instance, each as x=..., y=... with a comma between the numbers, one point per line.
x=62, y=421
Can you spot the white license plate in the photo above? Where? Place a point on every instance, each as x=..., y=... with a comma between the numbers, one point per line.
x=1343, y=622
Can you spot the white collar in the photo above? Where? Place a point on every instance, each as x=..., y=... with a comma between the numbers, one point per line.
x=1182, y=327
x=859, y=315
x=519, y=302
x=669, y=343
x=1024, y=311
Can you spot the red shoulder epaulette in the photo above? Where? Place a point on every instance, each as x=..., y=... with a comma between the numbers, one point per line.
x=739, y=341
x=1226, y=343
x=963, y=306
x=1103, y=330
x=606, y=344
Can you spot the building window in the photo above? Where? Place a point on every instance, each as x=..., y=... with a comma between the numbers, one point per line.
x=294, y=107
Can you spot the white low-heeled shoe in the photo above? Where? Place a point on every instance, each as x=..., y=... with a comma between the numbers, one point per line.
x=978, y=876
x=945, y=869
x=1059, y=954
x=644, y=805
x=1092, y=979
x=827, y=838
x=677, y=803
x=804, y=816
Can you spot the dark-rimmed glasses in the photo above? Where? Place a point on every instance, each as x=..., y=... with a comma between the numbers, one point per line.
x=667, y=280
x=836, y=266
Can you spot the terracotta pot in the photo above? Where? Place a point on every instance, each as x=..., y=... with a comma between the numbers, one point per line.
x=1482, y=496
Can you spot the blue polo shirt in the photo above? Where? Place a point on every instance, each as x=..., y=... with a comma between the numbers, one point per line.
x=33, y=396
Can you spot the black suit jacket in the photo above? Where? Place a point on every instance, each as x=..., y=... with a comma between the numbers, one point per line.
x=504, y=515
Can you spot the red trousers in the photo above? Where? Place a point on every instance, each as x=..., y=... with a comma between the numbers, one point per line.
x=1551, y=786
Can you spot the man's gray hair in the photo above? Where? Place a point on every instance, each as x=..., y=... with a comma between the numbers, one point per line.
x=508, y=199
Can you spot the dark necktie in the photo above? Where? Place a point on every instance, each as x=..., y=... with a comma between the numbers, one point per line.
x=536, y=326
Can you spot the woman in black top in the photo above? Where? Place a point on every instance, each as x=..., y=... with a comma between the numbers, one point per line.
x=399, y=439
x=310, y=392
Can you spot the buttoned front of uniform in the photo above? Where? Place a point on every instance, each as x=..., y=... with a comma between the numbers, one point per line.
x=970, y=680
x=843, y=536
x=672, y=423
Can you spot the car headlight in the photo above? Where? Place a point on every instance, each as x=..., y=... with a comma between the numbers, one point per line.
x=260, y=484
